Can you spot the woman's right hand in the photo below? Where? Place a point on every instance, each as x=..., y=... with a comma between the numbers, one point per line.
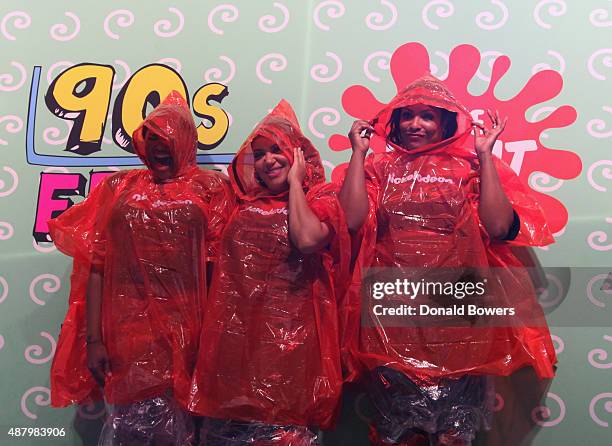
x=97, y=362
x=360, y=143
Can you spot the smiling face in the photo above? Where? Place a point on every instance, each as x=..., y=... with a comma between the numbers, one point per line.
x=271, y=166
x=159, y=157
x=419, y=125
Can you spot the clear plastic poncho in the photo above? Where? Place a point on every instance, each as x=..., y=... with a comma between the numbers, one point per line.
x=424, y=215
x=151, y=241
x=269, y=350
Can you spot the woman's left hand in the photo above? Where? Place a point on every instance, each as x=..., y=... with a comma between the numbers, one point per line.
x=485, y=137
x=298, y=169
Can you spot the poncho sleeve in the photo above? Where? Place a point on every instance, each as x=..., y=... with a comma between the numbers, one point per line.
x=220, y=201
x=361, y=248
x=529, y=325
x=533, y=230
x=79, y=233
x=324, y=203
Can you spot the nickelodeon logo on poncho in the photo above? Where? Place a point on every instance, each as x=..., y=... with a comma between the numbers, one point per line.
x=415, y=176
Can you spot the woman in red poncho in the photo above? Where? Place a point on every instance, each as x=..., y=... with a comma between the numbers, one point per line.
x=140, y=243
x=437, y=207
x=269, y=364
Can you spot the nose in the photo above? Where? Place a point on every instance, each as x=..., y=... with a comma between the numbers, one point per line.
x=414, y=123
x=269, y=158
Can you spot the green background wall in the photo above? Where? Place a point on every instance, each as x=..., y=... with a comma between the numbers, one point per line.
x=309, y=52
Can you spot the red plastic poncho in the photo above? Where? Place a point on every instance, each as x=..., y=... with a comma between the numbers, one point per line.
x=152, y=241
x=269, y=350
x=424, y=214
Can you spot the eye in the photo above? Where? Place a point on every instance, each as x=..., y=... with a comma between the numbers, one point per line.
x=406, y=115
x=428, y=116
x=276, y=149
x=258, y=154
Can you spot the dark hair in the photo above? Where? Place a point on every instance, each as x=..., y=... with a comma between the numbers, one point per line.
x=448, y=121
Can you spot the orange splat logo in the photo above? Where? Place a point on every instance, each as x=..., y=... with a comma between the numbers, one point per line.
x=519, y=145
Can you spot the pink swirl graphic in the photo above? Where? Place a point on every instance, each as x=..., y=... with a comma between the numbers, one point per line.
x=592, y=282
x=40, y=400
x=267, y=22
x=1, y=342
x=58, y=169
x=7, y=80
x=331, y=117
x=51, y=284
x=4, y=289
x=607, y=407
x=606, y=173
x=328, y=165
x=229, y=13
x=540, y=414
x=384, y=60
x=547, y=299
x=486, y=19
x=545, y=66
x=556, y=236
x=547, y=111
x=34, y=352
x=434, y=68
x=14, y=125
x=124, y=19
x=333, y=9
x=444, y=9
x=174, y=63
x=599, y=354
x=13, y=187
x=19, y=19
x=126, y=69
x=596, y=127
x=215, y=74
x=599, y=18
x=376, y=20
x=559, y=344
x=53, y=135
x=556, y=8
x=43, y=247
x=61, y=32
x=595, y=238
x=606, y=61
x=541, y=182
x=163, y=28
x=491, y=56
x=61, y=64
x=278, y=62
x=319, y=72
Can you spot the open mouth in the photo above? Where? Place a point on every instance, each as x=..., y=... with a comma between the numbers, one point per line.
x=162, y=160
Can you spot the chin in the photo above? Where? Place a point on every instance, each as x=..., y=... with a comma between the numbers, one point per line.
x=277, y=186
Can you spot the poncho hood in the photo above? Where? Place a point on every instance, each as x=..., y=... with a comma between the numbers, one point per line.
x=431, y=91
x=172, y=122
x=281, y=126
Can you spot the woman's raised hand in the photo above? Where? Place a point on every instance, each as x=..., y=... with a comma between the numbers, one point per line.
x=485, y=136
x=298, y=168
x=359, y=136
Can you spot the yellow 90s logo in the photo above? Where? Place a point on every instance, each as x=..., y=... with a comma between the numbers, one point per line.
x=82, y=94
